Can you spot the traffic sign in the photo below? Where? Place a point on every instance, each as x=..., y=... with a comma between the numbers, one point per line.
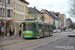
x=15, y=24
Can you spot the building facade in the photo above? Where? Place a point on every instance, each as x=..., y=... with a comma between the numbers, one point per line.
x=60, y=22
x=20, y=12
x=69, y=23
x=33, y=13
x=7, y=15
x=13, y=11
x=50, y=17
x=47, y=16
x=55, y=19
x=63, y=18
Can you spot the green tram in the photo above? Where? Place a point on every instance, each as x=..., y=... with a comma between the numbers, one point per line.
x=36, y=29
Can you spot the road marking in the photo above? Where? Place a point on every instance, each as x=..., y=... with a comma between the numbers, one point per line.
x=45, y=44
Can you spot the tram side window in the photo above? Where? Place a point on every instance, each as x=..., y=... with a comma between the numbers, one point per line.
x=48, y=27
x=39, y=27
x=34, y=28
x=23, y=26
x=45, y=28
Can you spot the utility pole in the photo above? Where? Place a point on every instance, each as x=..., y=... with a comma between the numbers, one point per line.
x=2, y=23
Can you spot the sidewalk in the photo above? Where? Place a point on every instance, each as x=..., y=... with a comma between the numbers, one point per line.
x=5, y=38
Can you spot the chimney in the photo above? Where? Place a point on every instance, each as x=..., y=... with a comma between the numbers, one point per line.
x=34, y=7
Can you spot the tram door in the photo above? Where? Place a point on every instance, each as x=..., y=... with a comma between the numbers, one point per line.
x=39, y=29
x=34, y=28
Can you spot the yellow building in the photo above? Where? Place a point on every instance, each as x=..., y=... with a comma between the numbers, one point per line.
x=20, y=12
x=33, y=13
x=63, y=18
x=47, y=16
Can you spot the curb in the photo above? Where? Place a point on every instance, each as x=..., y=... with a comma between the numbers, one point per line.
x=9, y=38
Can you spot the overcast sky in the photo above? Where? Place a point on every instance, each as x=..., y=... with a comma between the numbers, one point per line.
x=52, y=5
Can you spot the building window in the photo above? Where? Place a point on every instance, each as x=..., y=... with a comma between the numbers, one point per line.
x=2, y=1
x=14, y=15
x=17, y=16
x=8, y=13
x=11, y=13
x=1, y=12
x=8, y=1
x=14, y=5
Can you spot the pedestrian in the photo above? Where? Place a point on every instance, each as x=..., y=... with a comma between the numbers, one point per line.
x=10, y=32
x=19, y=33
x=13, y=31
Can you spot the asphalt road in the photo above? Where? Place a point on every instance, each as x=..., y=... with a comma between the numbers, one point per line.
x=34, y=44
x=66, y=43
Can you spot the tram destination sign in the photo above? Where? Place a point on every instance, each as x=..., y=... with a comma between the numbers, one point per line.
x=15, y=24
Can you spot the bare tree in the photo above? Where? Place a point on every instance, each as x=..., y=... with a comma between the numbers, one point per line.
x=71, y=10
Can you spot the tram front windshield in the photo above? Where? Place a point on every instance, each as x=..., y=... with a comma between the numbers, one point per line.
x=28, y=26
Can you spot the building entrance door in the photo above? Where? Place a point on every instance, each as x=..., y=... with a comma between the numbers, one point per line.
x=7, y=28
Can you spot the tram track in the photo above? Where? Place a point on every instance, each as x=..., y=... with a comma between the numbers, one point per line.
x=33, y=43
x=12, y=42
x=42, y=43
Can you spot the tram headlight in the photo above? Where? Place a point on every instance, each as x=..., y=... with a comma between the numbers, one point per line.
x=23, y=32
x=31, y=32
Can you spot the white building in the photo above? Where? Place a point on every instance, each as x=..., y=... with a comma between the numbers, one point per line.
x=7, y=15
x=56, y=23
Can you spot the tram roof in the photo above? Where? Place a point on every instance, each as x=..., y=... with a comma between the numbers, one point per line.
x=34, y=21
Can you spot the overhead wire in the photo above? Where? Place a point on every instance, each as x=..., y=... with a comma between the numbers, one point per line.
x=43, y=4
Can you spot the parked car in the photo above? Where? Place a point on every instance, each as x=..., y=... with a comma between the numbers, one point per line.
x=54, y=31
x=70, y=29
x=58, y=30
x=71, y=33
x=66, y=30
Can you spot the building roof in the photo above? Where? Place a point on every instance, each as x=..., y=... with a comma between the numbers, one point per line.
x=52, y=14
x=35, y=20
x=69, y=19
x=24, y=1
x=56, y=13
x=46, y=13
x=33, y=11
